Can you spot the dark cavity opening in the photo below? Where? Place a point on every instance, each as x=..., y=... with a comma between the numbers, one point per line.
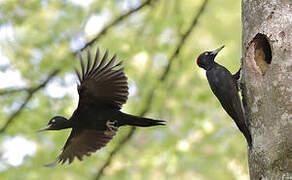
x=263, y=53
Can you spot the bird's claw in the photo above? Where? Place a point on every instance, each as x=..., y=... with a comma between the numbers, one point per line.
x=111, y=127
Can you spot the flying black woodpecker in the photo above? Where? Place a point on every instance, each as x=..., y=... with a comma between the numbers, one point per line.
x=102, y=89
x=224, y=86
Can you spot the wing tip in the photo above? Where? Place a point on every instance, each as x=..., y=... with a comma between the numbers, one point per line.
x=52, y=164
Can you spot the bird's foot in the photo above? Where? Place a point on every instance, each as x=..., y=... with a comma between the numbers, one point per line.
x=112, y=127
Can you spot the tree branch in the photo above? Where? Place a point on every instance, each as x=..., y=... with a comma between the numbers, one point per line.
x=149, y=98
x=12, y=90
x=182, y=40
x=126, y=138
x=113, y=23
x=31, y=92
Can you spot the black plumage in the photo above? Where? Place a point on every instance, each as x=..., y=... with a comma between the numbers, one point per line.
x=224, y=86
x=102, y=89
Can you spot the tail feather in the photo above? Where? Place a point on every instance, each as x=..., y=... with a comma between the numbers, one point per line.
x=245, y=131
x=131, y=120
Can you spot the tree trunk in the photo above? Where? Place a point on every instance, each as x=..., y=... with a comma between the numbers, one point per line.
x=267, y=86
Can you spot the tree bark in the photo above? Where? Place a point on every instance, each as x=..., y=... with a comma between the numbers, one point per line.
x=267, y=86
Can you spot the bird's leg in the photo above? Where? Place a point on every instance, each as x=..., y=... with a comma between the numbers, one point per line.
x=111, y=127
x=236, y=77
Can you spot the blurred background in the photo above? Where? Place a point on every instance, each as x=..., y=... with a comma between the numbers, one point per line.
x=159, y=42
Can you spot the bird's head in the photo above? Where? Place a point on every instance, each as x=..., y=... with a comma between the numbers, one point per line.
x=57, y=123
x=206, y=59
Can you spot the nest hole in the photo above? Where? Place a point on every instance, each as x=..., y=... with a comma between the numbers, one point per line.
x=263, y=53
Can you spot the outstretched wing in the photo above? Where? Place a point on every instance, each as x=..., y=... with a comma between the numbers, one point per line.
x=102, y=84
x=82, y=142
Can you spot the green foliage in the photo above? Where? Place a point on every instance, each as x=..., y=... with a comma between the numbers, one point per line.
x=199, y=142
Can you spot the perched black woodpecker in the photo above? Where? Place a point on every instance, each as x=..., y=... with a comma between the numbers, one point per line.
x=224, y=86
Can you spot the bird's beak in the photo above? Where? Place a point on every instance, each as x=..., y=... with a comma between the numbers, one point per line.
x=48, y=127
x=216, y=51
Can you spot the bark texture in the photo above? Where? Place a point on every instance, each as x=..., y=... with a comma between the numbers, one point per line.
x=267, y=86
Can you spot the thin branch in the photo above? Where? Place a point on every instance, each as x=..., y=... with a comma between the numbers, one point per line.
x=126, y=138
x=31, y=92
x=149, y=98
x=13, y=90
x=115, y=151
x=113, y=23
x=182, y=40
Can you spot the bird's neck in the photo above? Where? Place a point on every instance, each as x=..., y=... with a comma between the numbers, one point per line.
x=67, y=124
x=212, y=65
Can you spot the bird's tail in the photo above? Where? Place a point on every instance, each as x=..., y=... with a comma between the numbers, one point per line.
x=131, y=120
x=246, y=132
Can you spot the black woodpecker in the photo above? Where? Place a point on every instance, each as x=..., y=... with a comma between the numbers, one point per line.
x=224, y=86
x=102, y=89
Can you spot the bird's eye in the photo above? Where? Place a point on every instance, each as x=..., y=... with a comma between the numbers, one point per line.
x=53, y=121
x=206, y=53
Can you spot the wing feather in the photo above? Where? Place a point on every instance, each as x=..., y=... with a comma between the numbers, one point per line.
x=88, y=63
x=111, y=63
x=102, y=63
x=102, y=84
x=82, y=142
x=82, y=67
x=96, y=59
x=78, y=74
